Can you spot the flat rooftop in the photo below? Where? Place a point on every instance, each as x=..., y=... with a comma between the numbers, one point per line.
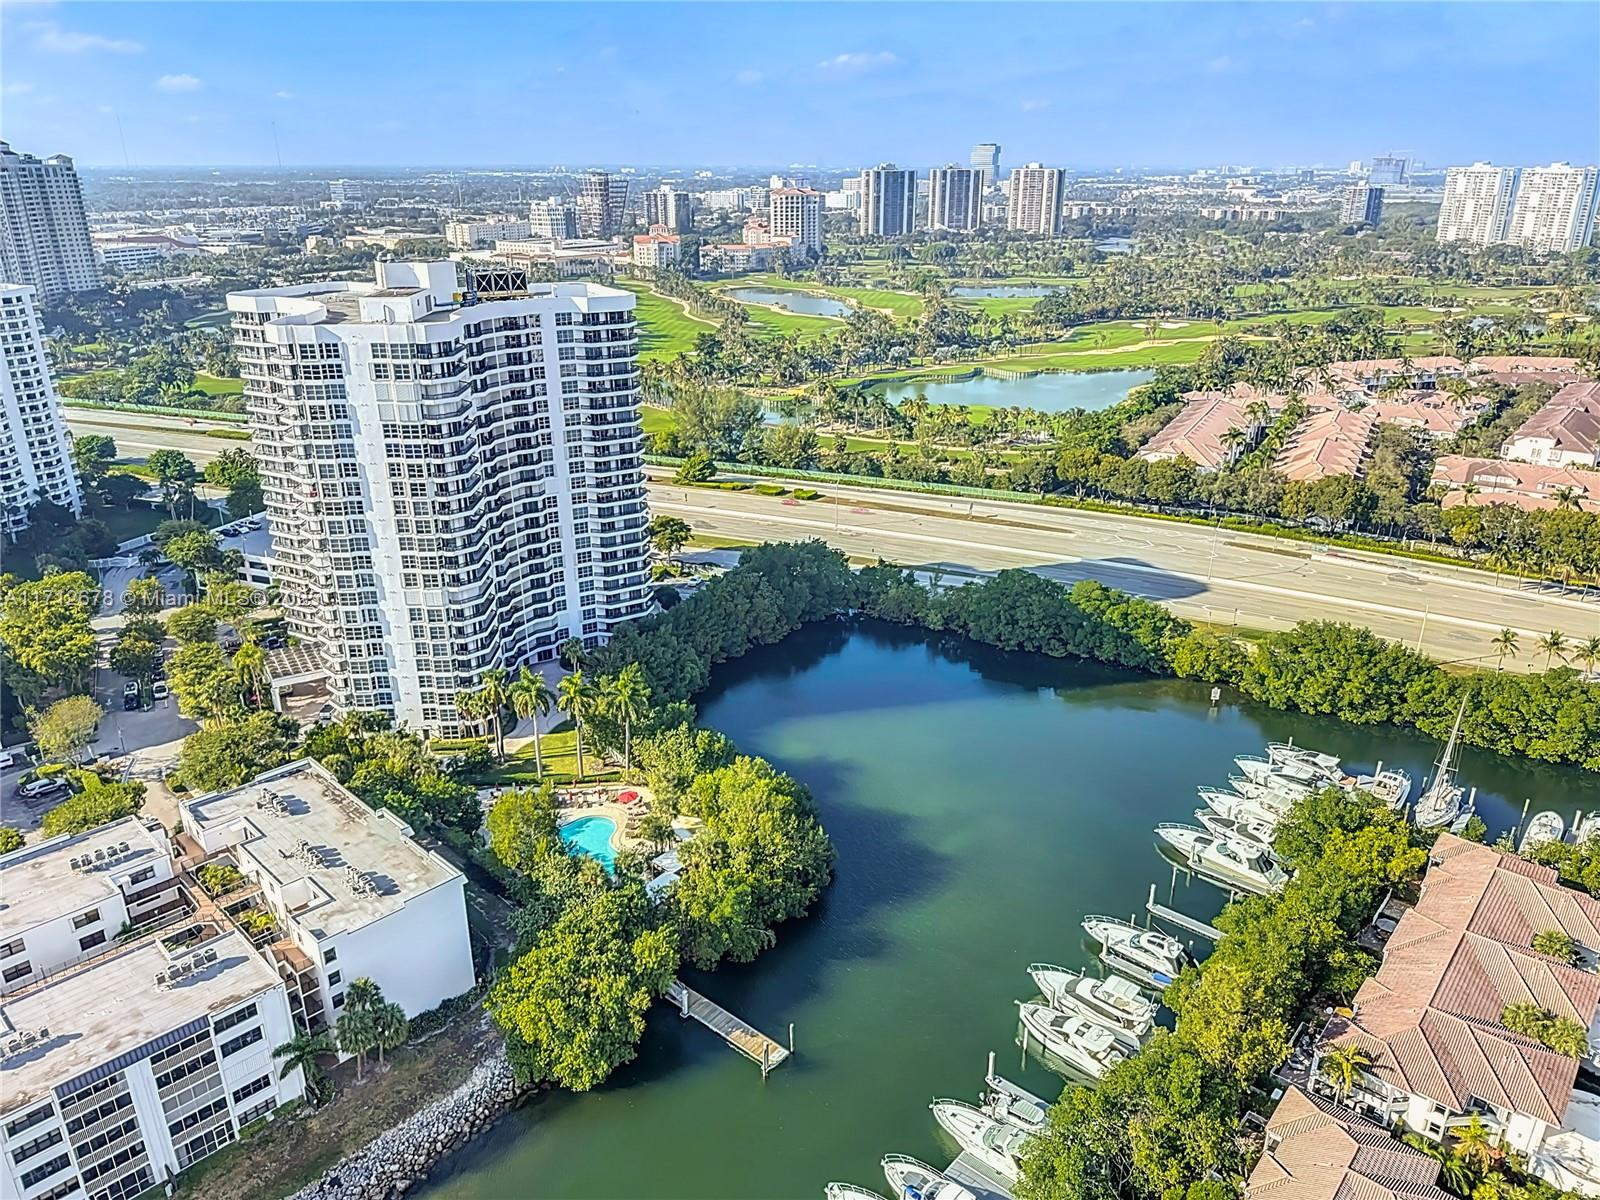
x=38, y=883
x=114, y=1005
x=320, y=834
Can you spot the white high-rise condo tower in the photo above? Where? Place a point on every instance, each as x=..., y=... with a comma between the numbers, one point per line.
x=888, y=201
x=44, y=235
x=1477, y=204
x=602, y=199
x=797, y=213
x=452, y=470
x=1554, y=210
x=955, y=198
x=35, y=462
x=986, y=161
x=1035, y=205
x=668, y=206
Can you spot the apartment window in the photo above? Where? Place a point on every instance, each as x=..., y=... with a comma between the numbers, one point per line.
x=144, y=876
x=334, y=977
x=42, y=1171
x=234, y=1018
x=203, y=1113
x=20, y=1154
x=92, y=940
x=11, y=948
x=11, y=974
x=256, y=1112
x=259, y=1084
x=338, y=1001
x=128, y=1186
x=28, y=1120
x=88, y=918
x=65, y=1188
x=248, y=1037
x=207, y=1143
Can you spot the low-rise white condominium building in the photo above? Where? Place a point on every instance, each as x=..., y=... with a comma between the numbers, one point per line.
x=138, y=1036
x=35, y=462
x=352, y=892
x=656, y=250
x=955, y=198
x=1554, y=212
x=471, y=235
x=1035, y=203
x=1477, y=204
x=453, y=473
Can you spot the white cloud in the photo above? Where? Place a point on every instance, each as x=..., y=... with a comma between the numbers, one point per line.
x=178, y=83
x=105, y=109
x=51, y=39
x=1034, y=105
x=1221, y=65
x=284, y=95
x=18, y=88
x=859, y=60
x=749, y=75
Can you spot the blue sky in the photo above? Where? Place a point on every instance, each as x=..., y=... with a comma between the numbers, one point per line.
x=1079, y=85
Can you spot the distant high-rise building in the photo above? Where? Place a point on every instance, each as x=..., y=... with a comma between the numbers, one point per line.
x=44, y=234
x=1035, y=205
x=552, y=219
x=955, y=198
x=465, y=235
x=1388, y=170
x=1477, y=204
x=888, y=201
x=1554, y=210
x=669, y=207
x=346, y=191
x=986, y=161
x=1362, y=205
x=35, y=463
x=602, y=199
x=371, y=444
x=796, y=213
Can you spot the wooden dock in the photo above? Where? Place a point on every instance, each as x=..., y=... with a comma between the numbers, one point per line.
x=741, y=1035
x=1182, y=920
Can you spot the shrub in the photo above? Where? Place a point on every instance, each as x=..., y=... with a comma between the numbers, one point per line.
x=806, y=494
x=769, y=489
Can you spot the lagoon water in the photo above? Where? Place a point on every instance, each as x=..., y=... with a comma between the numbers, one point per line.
x=796, y=302
x=1059, y=392
x=981, y=803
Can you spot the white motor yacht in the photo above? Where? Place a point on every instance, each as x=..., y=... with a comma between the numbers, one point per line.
x=996, y=1144
x=849, y=1191
x=1278, y=793
x=1392, y=787
x=1114, y=1001
x=1585, y=826
x=1240, y=808
x=1146, y=956
x=1010, y=1102
x=1236, y=864
x=1542, y=828
x=1285, y=752
x=1240, y=829
x=913, y=1180
x=1082, y=1044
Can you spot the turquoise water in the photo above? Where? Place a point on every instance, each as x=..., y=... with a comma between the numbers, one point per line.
x=795, y=302
x=591, y=836
x=1060, y=392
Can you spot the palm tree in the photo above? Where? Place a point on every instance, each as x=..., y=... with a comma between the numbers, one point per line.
x=250, y=665
x=1475, y=1145
x=302, y=1053
x=531, y=699
x=571, y=653
x=1588, y=653
x=496, y=696
x=1504, y=642
x=363, y=994
x=470, y=706
x=1553, y=643
x=1567, y=499
x=627, y=696
x=1341, y=1064
x=357, y=1033
x=576, y=697
x=390, y=1027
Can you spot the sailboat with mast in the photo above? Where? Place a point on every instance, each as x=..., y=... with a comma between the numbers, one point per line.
x=1446, y=802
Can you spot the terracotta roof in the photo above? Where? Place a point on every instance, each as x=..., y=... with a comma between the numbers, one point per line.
x=1330, y=441
x=1197, y=433
x=1318, y=1151
x=1527, y=364
x=1570, y=420
x=1528, y=486
x=1438, y=413
x=1430, y=1018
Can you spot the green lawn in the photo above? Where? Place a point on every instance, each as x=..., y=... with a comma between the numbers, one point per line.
x=560, y=754
x=666, y=329
x=900, y=305
x=141, y=519
x=215, y=385
x=210, y=320
x=774, y=322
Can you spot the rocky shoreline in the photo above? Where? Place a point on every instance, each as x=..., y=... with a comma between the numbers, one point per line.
x=395, y=1162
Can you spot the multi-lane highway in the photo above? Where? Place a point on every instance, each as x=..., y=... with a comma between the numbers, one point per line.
x=1204, y=573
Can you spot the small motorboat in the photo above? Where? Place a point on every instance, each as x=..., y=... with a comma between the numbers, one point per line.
x=1542, y=828
x=1235, y=864
x=1237, y=807
x=1146, y=956
x=849, y=1191
x=1010, y=1102
x=1292, y=779
x=1584, y=827
x=1278, y=794
x=1113, y=1001
x=1082, y=1044
x=913, y=1180
x=1392, y=787
x=996, y=1144
x=1288, y=752
x=1251, y=832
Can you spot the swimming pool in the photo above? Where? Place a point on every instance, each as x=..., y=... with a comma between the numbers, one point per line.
x=591, y=836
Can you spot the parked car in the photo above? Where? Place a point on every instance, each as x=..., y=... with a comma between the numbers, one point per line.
x=131, y=688
x=8, y=759
x=48, y=786
x=158, y=690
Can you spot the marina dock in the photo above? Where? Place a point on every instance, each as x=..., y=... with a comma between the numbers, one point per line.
x=738, y=1033
x=978, y=1179
x=1181, y=920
